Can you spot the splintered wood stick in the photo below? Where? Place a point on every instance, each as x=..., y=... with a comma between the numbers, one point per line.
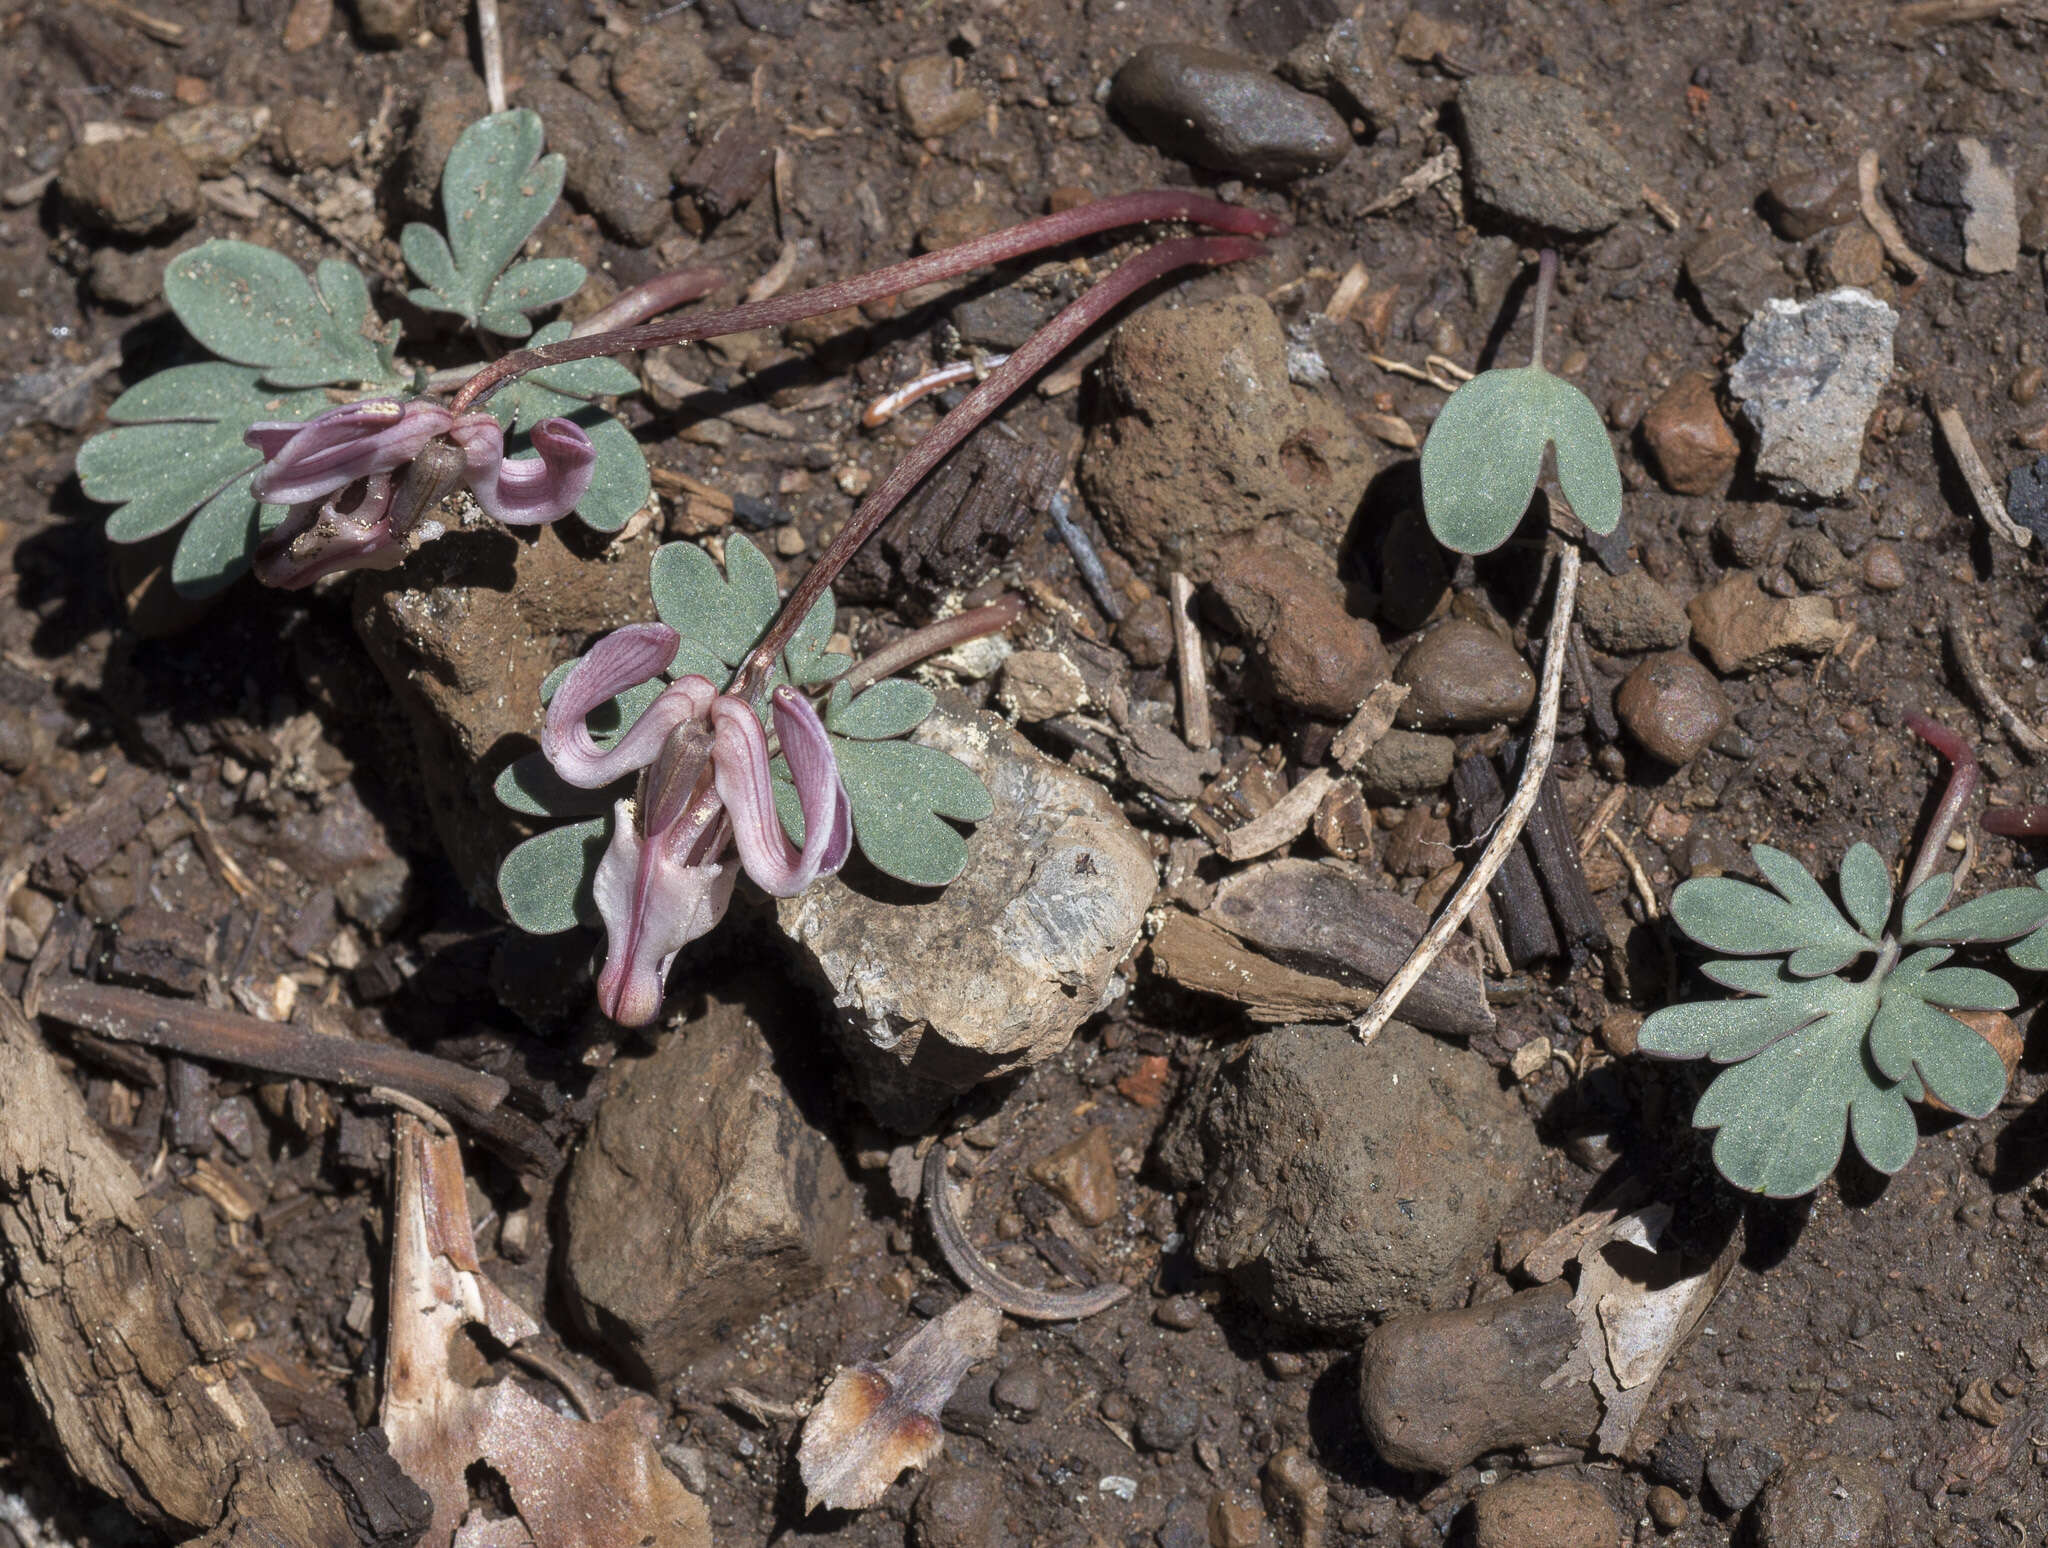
x=1198, y=731
x=1541, y=744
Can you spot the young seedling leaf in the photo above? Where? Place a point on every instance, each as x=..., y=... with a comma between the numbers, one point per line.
x=805, y=656
x=1724, y=914
x=177, y=447
x=495, y=190
x=256, y=307
x=723, y=613
x=1910, y=1038
x=890, y=708
x=1485, y=453
x=531, y=787
x=545, y=883
x=900, y=792
x=1926, y=900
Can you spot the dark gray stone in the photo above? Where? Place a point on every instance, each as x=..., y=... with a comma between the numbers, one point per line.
x=1227, y=113
x=1533, y=157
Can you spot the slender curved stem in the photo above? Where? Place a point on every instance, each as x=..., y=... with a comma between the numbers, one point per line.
x=1037, y=353
x=1546, y=281
x=1963, y=779
x=977, y=1273
x=933, y=639
x=997, y=247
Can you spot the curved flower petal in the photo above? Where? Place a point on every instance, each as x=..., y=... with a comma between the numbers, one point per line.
x=303, y=462
x=349, y=530
x=656, y=895
x=740, y=765
x=526, y=491
x=623, y=659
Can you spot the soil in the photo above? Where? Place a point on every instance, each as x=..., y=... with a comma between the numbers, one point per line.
x=298, y=849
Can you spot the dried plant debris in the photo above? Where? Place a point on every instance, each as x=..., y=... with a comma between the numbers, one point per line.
x=1638, y=1303
x=573, y=1484
x=876, y=1420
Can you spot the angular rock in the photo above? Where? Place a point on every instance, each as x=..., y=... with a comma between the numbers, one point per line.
x=1732, y=276
x=702, y=1195
x=1461, y=676
x=1040, y=684
x=1533, y=157
x=657, y=74
x=2026, y=496
x=1742, y=629
x=1804, y=204
x=1406, y=765
x=310, y=136
x=1344, y=64
x=1630, y=612
x=1550, y=1508
x=214, y=137
x=1083, y=1173
x=1227, y=113
x=1442, y=1388
x=1344, y=1182
x=1754, y=535
x=135, y=188
x=127, y=280
x=931, y=104
x=1672, y=706
x=1205, y=438
x=1965, y=210
x=1325, y=918
x=1312, y=655
x=937, y=991
x=614, y=174
x=1689, y=441
x=1738, y=1471
x=1829, y=1502
x=1814, y=560
x=1809, y=379
x=1849, y=255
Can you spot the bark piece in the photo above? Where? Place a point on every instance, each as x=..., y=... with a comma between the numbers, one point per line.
x=1525, y=917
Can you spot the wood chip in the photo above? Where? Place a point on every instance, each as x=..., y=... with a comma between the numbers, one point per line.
x=1374, y=719
x=1207, y=958
x=1990, y=505
x=1197, y=730
x=1879, y=218
x=1392, y=429
x=1349, y=292
x=1443, y=164
x=1281, y=823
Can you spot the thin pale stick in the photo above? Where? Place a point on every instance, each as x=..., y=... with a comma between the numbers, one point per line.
x=934, y=639
x=491, y=40
x=2024, y=736
x=1512, y=821
x=1196, y=729
x=1983, y=492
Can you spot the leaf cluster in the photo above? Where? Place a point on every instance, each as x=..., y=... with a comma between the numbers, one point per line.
x=905, y=796
x=176, y=447
x=1811, y=1054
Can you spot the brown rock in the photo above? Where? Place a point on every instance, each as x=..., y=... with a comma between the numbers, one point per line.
x=1814, y=560
x=307, y=24
x=931, y=103
x=1849, y=255
x=1297, y=1497
x=1743, y=630
x=1406, y=765
x=1083, y=1173
x=1315, y=656
x=136, y=187
x=1146, y=632
x=1630, y=613
x=1672, y=706
x=311, y=137
x=214, y=137
x=449, y=105
x=657, y=74
x=1751, y=534
x=1804, y=204
x=1548, y=1508
x=1883, y=570
x=1442, y=1388
x=1041, y=684
x=1205, y=438
x=1227, y=113
x=1462, y=676
x=702, y=1195
x=1830, y=1502
x=1688, y=439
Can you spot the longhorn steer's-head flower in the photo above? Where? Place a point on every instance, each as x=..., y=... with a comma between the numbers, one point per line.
x=705, y=784
x=359, y=478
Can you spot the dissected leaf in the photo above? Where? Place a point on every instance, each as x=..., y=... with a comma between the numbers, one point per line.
x=890, y=708
x=1996, y=916
x=900, y=792
x=257, y=308
x=545, y=883
x=177, y=447
x=1910, y=1037
x=724, y=613
x=1925, y=901
x=1485, y=453
x=1866, y=888
x=531, y=787
x=495, y=190
x=1724, y=914
x=1730, y=1030
x=805, y=658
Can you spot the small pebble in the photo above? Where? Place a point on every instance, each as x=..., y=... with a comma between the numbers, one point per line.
x=1804, y=204
x=1849, y=255
x=1672, y=706
x=1463, y=677
x=1116, y=1408
x=1083, y=1173
x=1146, y=633
x=1297, y=1497
x=1227, y=113
x=136, y=187
x=1550, y=1508
x=2026, y=386
x=1668, y=1508
x=933, y=105
x=1018, y=1390
x=1689, y=441
x=1167, y=1422
x=1235, y=1523
x=1180, y=1312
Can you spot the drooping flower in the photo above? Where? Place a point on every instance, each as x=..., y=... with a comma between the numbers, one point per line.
x=360, y=477
x=705, y=786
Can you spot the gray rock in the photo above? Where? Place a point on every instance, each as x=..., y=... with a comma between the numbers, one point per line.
x=1275, y=26
x=1225, y=112
x=1808, y=380
x=1829, y=1502
x=126, y=280
x=932, y=101
x=1439, y=1389
x=1344, y=1182
x=1003, y=319
x=657, y=74
x=1532, y=156
x=937, y=991
x=702, y=1195
x=2026, y=496
x=216, y=136
x=1732, y=276
x=1965, y=210
x=1738, y=1472
x=1343, y=64
x=1406, y=765
x=375, y=895
x=1630, y=612
x=616, y=175
x=1461, y=676
x=1551, y=1508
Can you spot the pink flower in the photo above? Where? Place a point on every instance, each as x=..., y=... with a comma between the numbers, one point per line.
x=360, y=477
x=705, y=785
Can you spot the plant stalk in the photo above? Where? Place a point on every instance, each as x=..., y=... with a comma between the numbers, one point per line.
x=1964, y=777
x=1546, y=281
x=1542, y=742
x=933, y=639
x=997, y=247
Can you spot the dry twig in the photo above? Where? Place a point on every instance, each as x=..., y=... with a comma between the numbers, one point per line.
x=2024, y=736
x=1880, y=219
x=1197, y=730
x=491, y=39
x=1990, y=505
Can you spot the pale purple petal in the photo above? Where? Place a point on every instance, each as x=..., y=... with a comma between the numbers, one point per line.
x=745, y=785
x=655, y=897
x=332, y=450
x=623, y=659
x=526, y=491
x=351, y=530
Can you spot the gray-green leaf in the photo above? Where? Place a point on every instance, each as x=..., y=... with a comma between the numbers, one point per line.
x=890, y=708
x=1485, y=453
x=1910, y=1037
x=531, y=787
x=1724, y=914
x=256, y=307
x=545, y=883
x=495, y=189
x=899, y=792
x=1996, y=916
x=725, y=613
x=619, y=482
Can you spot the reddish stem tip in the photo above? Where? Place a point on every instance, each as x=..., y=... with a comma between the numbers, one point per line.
x=1950, y=744
x=2021, y=822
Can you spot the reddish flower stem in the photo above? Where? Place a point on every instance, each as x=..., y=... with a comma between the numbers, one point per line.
x=997, y=247
x=663, y=293
x=1963, y=779
x=1037, y=353
x=934, y=639
x=2016, y=821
